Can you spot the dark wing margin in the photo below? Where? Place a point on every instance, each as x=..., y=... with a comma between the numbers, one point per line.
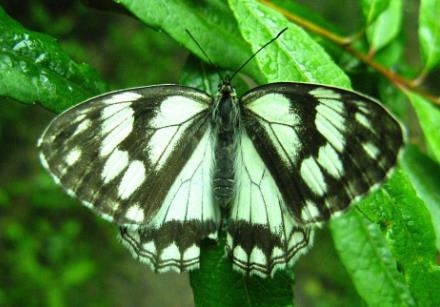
x=175, y=246
x=119, y=153
x=325, y=147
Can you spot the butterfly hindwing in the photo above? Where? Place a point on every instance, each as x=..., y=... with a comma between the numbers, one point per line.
x=262, y=236
x=187, y=215
x=120, y=153
x=324, y=146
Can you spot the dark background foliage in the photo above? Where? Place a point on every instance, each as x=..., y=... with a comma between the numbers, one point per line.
x=53, y=252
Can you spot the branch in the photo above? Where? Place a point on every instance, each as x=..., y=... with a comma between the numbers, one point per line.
x=345, y=43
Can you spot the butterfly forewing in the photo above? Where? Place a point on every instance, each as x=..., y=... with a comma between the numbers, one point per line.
x=120, y=153
x=324, y=146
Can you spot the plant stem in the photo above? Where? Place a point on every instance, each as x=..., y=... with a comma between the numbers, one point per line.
x=346, y=43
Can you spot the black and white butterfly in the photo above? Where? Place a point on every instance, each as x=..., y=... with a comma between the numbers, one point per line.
x=172, y=166
x=168, y=163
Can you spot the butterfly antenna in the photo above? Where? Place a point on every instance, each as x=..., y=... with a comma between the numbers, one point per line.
x=205, y=54
x=261, y=48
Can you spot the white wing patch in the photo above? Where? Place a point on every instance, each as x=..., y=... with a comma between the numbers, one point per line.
x=135, y=213
x=73, y=156
x=330, y=120
x=114, y=165
x=275, y=108
x=84, y=125
x=191, y=197
x=259, y=208
x=122, y=97
x=160, y=140
x=176, y=109
x=324, y=110
x=371, y=150
x=310, y=211
x=329, y=159
x=170, y=123
x=279, y=121
x=133, y=177
x=117, y=124
x=312, y=176
x=322, y=92
x=362, y=119
x=330, y=132
x=336, y=105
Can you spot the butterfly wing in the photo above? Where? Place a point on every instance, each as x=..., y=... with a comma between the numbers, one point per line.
x=120, y=153
x=262, y=235
x=141, y=158
x=325, y=147
x=171, y=242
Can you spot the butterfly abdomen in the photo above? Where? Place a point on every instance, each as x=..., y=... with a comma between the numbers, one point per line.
x=225, y=119
x=224, y=171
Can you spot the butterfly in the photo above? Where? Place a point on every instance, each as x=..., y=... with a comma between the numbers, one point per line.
x=172, y=166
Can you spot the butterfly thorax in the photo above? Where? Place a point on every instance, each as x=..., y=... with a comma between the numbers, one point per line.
x=226, y=125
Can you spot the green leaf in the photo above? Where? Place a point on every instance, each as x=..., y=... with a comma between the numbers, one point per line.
x=305, y=12
x=212, y=25
x=386, y=27
x=217, y=284
x=429, y=118
x=78, y=271
x=391, y=54
x=412, y=239
x=372, y=9
x=293, y=57
x=323, y=281
x=393, y=98
x=424, y=174
x=33, y=68
x=370, y=263
x=409, y=235
x=429, y=33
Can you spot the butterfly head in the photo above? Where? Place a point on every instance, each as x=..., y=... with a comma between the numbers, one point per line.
x=225, y=88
